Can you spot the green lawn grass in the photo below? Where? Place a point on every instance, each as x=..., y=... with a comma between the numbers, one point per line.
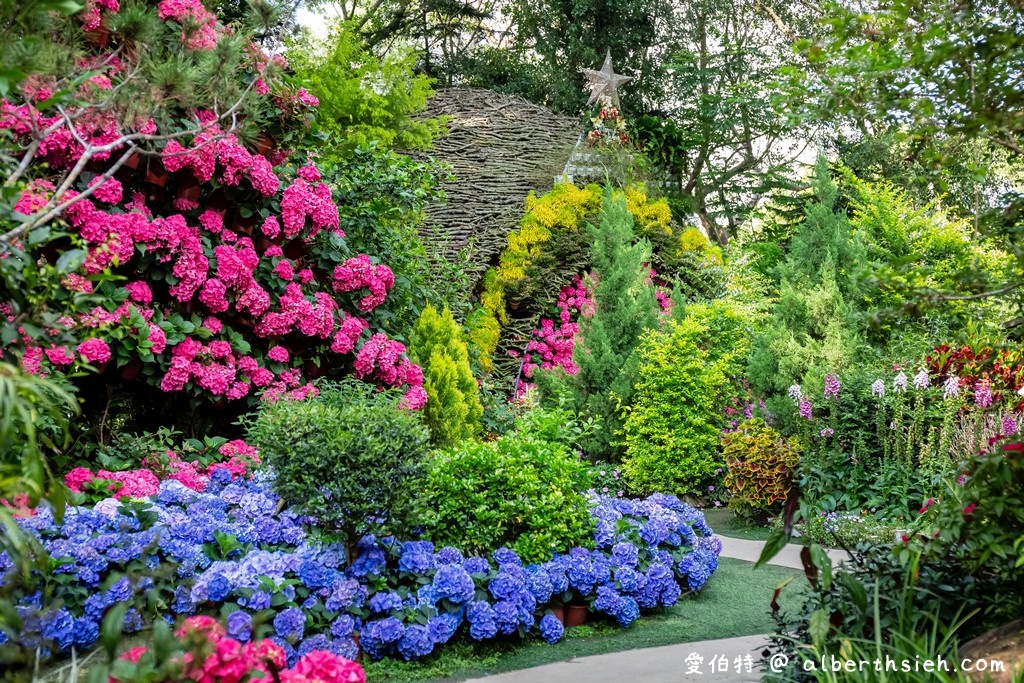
x=725, y=522
x=735, y=602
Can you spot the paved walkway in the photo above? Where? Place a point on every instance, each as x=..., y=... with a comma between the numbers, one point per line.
x=789, y=556
x=671, y=663
x=667, y=664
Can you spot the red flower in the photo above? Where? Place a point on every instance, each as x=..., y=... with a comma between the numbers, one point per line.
x=927, y=505
x=969, y=509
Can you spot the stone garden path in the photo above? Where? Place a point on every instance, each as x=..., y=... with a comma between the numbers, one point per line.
x=671, y=663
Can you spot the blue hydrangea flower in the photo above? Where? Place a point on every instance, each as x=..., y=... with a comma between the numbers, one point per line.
x=240, y=626
x=506, y=616
x=260, y=600
x=345, y=593
x=481, y=620
x=449, y=555
x=416, y=642
x=290, y=624
x=217, y=588
x=453, y=582
x=377, y=635
x=343, y=626
x=551, y=629
x=504, y=556
x=625, y=555
x=628, y=579
x=86, y=632
x=318, y=641
x=476, y=565
x=315, y=575
x=540, y=585
x=628, y=612
x=58, y=627
x=443, y=627
x=608, y=600
x=385, y=602
x=132, y=621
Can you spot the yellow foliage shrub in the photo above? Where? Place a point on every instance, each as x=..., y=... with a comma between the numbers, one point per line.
x=651, y=217
x=484, y=332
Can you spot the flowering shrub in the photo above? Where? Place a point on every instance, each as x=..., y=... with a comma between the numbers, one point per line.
x=553, y=348
x=238, y=458
x=206, y=267
x=850, y=529
x=204, y=651
x=232, y=549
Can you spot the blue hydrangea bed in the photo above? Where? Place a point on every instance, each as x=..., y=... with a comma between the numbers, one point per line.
x=230, y=551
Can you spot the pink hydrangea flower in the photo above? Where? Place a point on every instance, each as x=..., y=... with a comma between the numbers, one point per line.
x=94, y=351
x=139, y=292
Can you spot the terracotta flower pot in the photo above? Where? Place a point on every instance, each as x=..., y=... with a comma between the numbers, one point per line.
x=575, y=615
x=359, y=652
x=312, y=370
x=245, y=225
x=558, y=609
x=188, y=188
x=264, y=144
x=131, y=162
x=129, y=371
x=156, y=174
x=99, y=37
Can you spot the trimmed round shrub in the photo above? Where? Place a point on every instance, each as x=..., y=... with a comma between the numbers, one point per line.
x=349, y=457
x=518, y=491
x=761, y=465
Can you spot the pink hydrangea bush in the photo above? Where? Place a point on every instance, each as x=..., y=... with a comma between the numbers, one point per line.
x=208, y=655
x=230, y=281
x=239, y=459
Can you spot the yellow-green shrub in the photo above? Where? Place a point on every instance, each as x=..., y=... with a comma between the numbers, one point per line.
x=761, y=465
x=453, y=409
x=650, y=217
x=672, y=429
x=484, y=332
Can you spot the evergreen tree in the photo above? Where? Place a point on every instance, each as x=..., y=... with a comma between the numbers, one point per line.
x=815, y=325
x=624, y=308
x=453, y=409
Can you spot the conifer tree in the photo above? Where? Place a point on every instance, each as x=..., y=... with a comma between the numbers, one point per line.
x=453, y=409
x=814, y=327
x=624, y=308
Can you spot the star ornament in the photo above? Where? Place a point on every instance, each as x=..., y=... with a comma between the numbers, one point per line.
x=604, y=82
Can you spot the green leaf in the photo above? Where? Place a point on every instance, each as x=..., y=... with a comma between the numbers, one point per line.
x=818, y=627
x=110, y=631
x=824, y=563
x=65, y=7
x=776, y=542
x=856, y=590
x=70, y=260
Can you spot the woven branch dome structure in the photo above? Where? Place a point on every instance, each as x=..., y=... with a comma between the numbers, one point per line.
x=499, y=148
